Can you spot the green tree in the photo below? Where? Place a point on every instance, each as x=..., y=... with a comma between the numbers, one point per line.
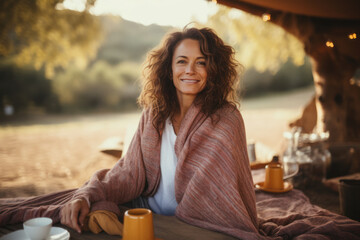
x=259, y=44
x=42, y=33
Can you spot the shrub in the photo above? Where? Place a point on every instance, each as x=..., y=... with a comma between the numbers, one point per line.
x=101, y=87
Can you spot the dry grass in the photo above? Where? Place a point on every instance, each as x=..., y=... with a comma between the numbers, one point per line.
x=51, y=153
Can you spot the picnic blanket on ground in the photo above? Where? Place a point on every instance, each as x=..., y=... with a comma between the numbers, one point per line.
x=290, y=215
x=213, y=186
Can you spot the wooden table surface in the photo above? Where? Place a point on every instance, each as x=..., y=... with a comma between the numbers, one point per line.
x=165, y=227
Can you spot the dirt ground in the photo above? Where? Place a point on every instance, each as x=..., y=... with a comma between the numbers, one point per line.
x=49, y=153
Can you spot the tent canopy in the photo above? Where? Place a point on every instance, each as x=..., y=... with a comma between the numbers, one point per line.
x=343, y=9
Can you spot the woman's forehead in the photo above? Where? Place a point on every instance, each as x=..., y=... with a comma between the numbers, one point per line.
x=188, y=48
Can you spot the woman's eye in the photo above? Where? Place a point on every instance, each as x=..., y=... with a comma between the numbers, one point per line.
x=202, y=63
x=181, y=61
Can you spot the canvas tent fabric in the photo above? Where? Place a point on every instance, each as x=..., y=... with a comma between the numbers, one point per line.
x=345, y=9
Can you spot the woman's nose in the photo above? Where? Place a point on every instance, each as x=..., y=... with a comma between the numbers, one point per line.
x=190, y=68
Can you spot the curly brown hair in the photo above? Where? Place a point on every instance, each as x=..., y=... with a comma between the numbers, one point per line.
x=159, y=93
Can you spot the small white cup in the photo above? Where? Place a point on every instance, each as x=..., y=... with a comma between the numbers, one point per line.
x=38, y=228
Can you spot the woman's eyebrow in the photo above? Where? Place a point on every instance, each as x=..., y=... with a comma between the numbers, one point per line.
x=181, y=56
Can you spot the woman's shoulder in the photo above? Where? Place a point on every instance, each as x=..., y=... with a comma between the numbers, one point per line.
x=145, y=119
x=227, y=118
x=226, y=125
x=147, y=114
x=228, y=112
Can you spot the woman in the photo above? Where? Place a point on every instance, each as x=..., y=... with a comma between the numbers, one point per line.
x=188, y=157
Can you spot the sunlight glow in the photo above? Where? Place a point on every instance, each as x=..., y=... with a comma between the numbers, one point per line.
x=176, y=13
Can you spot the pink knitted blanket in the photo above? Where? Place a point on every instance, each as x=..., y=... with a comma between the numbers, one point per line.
x=213, y=185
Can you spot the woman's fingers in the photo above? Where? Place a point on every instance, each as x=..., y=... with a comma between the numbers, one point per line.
x=73, y=214
x=64, y=215
x=84, y=212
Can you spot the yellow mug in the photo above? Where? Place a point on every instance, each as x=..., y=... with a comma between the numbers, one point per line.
x=138, y=225
x=274, y=174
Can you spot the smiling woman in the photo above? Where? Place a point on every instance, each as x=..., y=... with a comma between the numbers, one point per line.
x=188, y=157
x=188, y=65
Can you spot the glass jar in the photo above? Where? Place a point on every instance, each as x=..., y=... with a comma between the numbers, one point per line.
x=308, y=153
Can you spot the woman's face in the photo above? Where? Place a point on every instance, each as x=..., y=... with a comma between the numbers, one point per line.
x=188, y=68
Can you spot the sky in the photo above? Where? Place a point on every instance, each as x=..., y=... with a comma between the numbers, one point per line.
x=176, y=13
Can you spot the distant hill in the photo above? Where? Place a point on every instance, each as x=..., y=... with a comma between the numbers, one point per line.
x=127, y=41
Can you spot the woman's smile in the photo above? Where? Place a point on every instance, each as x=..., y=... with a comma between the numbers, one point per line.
x=190, y=80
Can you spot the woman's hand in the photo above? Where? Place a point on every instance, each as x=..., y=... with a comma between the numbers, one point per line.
x=74, y=213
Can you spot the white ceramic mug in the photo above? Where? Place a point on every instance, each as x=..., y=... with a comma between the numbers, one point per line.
x=38, y=228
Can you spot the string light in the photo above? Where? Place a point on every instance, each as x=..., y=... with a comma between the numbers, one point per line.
x=355, y=82
x=352, y=36
x=266, y=17
x=329, y=44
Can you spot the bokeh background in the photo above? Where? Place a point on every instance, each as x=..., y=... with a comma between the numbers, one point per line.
x=70, y=75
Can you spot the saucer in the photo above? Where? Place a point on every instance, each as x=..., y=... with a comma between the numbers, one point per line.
x=287, y=187
x=56, y=233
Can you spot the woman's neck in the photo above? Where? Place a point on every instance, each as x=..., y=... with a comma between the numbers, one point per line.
x=184, y=103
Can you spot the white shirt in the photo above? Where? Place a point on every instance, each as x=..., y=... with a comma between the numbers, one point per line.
x=164, y=202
